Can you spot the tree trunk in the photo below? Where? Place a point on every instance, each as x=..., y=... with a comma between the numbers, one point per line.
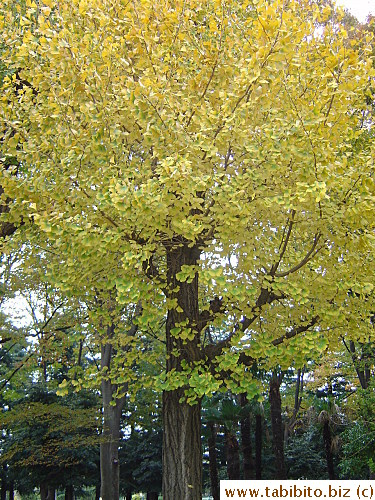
x=258, y=446
x=47, y=492
x=51, y=495
x=247, y=451
x=43, y=491
x=182, y=454
x=214, y=476
x=152, y=495
x=69, y=492
x=109, y=457
x=129, y=495
x=11, y=491
x=327, y=438
x=233, y=455
x=277, y=427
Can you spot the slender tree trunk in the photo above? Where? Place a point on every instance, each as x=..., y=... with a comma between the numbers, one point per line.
x=43, y=491
x=214, y=476
x=51, y=495
x=112, y=410
x=362, y=377
x=258, y=446
x=109, y=456
x=11, y=491
x=277, y=427
x=233, y=455
x=289, y=425
x=247, y=451
x=327, y=438
x=69, y=492
x=182, y=454
x=47, y=492
x=129, y=495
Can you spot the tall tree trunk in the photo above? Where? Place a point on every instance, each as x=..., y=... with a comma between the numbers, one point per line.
x=51, y=494
x=47, y=492
x=324, y=419
x=11, y=491
x=247, y=451
x=112, y=410
x=277, y=426
x=233, y=455
x=212, y=454
x=258, y=446
x=43, y=491
x=109, y=456
x=182, y=454
x=69, y=492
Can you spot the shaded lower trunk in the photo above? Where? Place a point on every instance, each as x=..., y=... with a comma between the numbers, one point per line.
x=247, y=451
x=109, y=456
x=152, y=495
x=11, y=491
x=47, y=492
x=214, y=476
x=327, y=438
x=182, y=454
x=128, y=495
x=233, y=455
x=277, y=427
x=69, y=492
x=258, y=446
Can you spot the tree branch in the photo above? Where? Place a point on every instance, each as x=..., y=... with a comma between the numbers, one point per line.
x=310, y=254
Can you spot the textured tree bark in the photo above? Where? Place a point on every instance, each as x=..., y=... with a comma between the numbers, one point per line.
x=109, y=457
x=182, y=454
x=233, y=455
x=247, y=451
x=277, y=427
x=214, y=476
x=258, y=446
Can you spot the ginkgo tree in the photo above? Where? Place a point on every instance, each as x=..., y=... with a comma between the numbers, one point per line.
x=208, y=160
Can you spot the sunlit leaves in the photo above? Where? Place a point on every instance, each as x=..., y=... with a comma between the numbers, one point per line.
x=202, y=125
